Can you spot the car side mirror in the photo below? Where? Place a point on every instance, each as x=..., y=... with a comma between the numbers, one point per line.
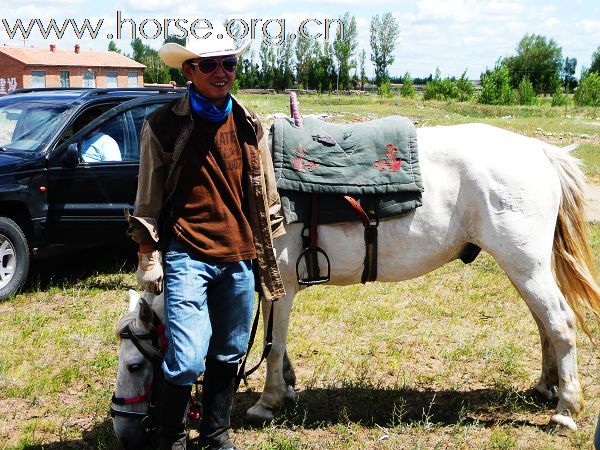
x=71, y=156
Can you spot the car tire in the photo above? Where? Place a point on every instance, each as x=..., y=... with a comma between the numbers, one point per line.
x=14, y=257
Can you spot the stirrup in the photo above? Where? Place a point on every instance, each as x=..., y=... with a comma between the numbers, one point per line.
x=311, y=281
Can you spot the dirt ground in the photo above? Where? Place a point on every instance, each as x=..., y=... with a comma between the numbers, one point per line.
x=592, y=196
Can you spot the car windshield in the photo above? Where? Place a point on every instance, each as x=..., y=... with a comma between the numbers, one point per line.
x=27, y=126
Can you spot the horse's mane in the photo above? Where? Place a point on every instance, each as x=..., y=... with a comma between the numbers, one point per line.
x=127, y=319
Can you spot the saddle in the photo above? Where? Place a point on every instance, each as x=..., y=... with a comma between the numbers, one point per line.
x=329, y=173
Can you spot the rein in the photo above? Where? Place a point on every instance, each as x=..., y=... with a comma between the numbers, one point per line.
x=148, y=344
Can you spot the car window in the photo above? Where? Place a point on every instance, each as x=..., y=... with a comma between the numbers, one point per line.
x=27, y=126
x=138, y=114
x=118, y=138
x=83, y=118
x=106, y=142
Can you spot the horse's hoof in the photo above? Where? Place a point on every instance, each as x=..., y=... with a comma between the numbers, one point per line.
x=562, y=423
x=546, y=393
x=291, y=397
x=258, y=415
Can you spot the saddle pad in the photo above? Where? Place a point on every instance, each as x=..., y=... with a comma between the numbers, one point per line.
x=375, y=157
x=334, y=209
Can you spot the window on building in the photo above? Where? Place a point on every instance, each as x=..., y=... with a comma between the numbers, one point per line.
x=89, y=79
x=64, y=79
x=132, y=79
x=38, y=78
x=111, y=80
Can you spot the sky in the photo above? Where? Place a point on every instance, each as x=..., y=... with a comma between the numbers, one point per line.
x=454, y=35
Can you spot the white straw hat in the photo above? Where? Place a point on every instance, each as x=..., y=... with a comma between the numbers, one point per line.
x=219, y=43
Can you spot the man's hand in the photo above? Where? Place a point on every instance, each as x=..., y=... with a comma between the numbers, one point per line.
x=149, y=274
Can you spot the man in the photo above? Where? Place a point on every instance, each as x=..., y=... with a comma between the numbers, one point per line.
x=206, y=177
x=97, y=146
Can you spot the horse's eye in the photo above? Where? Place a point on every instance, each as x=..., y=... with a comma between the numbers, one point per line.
x=134, y=367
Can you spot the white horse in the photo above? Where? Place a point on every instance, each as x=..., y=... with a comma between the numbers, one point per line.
x=135, y=370
x=519, y=199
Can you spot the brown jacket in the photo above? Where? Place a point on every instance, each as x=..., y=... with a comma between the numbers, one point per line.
x=164, y=136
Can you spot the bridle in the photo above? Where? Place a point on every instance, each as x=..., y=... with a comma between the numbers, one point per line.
x=150, y=345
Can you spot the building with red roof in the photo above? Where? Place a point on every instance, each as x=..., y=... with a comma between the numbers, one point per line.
x=23, y=67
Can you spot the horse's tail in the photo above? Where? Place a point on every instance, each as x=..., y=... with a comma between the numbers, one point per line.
x=574, y=265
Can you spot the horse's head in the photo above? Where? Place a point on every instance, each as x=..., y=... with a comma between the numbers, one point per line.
x=139, y=359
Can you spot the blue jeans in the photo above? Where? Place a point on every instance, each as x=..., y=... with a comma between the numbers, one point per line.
x=208, y=312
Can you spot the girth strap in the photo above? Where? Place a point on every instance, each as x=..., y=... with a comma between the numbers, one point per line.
x=310, y=240
x=370, y=224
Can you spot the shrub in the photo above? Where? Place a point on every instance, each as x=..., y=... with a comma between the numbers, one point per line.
x=407, y=90
x=588, y=91
x=235, y=88
x=525, y=93
x=464, y=88
x=559, y=99
x=439, y=89
x=495, y=87
x=385, y=89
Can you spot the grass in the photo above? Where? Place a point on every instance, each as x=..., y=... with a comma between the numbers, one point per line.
x=442, y=361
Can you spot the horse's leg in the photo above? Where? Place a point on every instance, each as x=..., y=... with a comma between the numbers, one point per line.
x=288, y=370
x=276, y=390
x=536, y=284
x=548, y=382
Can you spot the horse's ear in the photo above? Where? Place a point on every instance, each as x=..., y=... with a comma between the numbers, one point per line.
x=145, y=314
x=133, y=299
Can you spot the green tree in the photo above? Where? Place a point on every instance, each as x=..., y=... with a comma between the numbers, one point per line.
x=539, y=60
x=267, y=65
x=322, y=74
x=559, y=99
x=526, y=94
x=495, y=86
x=384, y=33
x=384, y=90
x=568, y=79
x=304, y=59
x=284, y=56
x=407, y=90
x=464, y=88
x=595, y=67
x=588, y=91
x=176, y=75
x=344, y=47
x=250, y=72
x=363, y=76
x=448, y=88
x=156, y=71
x=112, y=47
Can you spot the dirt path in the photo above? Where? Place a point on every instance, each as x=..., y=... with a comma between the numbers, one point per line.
x=592, y=195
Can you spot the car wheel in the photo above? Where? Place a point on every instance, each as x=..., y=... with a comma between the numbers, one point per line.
x=14, y=258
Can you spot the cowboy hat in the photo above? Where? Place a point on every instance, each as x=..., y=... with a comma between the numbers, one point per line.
x=218, y=43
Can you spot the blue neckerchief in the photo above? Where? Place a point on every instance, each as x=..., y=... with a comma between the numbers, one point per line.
x=205, y=108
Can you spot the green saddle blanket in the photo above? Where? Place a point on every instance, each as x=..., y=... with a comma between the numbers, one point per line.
x=376, y=162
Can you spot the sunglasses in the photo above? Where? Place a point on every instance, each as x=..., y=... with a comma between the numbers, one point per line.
x=209, y=65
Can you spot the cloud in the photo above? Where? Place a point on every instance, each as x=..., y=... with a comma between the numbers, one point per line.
x=589, y=26
x=551, y=22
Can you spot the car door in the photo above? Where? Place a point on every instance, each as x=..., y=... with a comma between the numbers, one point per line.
x=87, y=195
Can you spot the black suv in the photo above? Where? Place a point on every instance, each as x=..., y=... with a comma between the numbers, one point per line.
x=56, y=188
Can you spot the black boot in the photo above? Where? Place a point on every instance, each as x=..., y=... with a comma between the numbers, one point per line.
x=217, y=395
x=172, y=406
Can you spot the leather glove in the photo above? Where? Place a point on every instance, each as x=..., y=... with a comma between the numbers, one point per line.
x=149, y=274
